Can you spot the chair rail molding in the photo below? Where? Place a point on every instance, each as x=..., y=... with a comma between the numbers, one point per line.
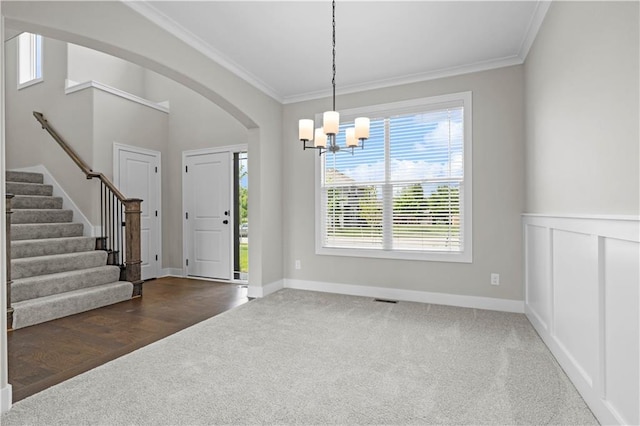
x=582, y=279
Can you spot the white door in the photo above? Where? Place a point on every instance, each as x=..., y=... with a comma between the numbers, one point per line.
x=207, y=200
x=138, y=176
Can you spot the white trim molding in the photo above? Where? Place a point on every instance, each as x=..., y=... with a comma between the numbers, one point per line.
x=5, y=397
x=582, y=279
x=475, y=302
x=89, y=229
x=254, y=291
x=72, y=87
x=542, y=7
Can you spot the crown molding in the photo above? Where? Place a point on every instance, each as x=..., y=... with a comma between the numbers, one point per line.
x=143, y=8
x=542, y=7
x=408, y=79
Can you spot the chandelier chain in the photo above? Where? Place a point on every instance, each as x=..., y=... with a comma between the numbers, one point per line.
x=333, y=80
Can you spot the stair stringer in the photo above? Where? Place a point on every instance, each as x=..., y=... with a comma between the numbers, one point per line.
x=89, y=229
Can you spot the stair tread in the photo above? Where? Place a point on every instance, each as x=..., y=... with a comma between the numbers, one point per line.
x=61, y=282
x=62, y=256
x=51, y=264
x=47, y=308
x=67, y=294
x=32, y=231
x=21, y=249
x=28, y=188
x=50, y=240
x=20, y=176
x=36, y=202
x=62, y=274
x=39, y=216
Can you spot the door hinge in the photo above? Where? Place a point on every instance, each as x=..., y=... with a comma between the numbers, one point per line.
x=156, y=169
x=156, y=213
x=186, y=215
x=156, y=257
x=186, y=169
x=187, y=262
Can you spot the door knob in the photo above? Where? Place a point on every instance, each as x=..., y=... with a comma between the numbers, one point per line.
x=225, y=221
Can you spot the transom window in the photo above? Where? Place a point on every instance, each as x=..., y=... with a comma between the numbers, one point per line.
x=407, y=194
x=29, y=59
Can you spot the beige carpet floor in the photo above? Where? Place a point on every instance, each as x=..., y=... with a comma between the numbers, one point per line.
x=299, y=357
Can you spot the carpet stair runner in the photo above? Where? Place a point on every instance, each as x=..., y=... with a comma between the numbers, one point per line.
x=56, y=271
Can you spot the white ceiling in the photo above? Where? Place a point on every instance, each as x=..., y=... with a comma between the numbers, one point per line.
x=284, y=47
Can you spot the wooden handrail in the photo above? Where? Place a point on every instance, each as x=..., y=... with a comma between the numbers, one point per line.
x=90, y=174
x=131, y=265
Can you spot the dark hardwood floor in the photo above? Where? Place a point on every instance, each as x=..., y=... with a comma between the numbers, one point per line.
x=43, y=355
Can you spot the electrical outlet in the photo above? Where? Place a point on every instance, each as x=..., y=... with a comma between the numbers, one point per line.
x=495, y=279
x=298, y=264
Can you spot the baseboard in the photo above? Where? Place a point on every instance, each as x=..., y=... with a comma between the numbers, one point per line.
x=5, y=399
x=67, y=202
x=171, y=272
x=477, y=302
x=265, y=290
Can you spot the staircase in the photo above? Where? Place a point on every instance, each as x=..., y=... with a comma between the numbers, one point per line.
x=56, y=271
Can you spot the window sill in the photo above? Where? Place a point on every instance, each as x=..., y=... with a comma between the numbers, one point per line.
x=431, y=256
x=30, y=83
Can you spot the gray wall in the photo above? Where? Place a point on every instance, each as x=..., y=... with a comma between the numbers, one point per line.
x=115, y=29
x=498, y=194
x=581, y=79
x=72, y=116
x=88, y=64
x=194, y=123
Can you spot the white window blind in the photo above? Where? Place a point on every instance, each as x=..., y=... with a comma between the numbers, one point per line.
x=29, y=59
x=404, y=191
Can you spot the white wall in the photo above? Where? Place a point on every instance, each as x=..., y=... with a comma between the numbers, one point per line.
x=498, y=195
x=582, y=252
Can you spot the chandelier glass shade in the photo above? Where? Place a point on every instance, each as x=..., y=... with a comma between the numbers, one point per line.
x=324, y=138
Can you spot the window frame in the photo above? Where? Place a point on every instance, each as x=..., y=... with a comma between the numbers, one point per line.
x=33, y=60
x=465, y=255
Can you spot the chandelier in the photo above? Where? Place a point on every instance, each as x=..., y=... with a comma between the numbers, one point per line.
x=326, y=135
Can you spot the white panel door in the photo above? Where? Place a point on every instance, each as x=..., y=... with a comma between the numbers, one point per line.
x=139, y=177
x=208, y=215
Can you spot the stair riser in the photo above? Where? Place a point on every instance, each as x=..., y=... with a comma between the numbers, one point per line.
x=45, y=230
x=27, y=177
x=50, y=246
x=44, y=309
x=36, y=266
x=41, y=216
x=31, y=288
x=36, y=202
x=29, y=189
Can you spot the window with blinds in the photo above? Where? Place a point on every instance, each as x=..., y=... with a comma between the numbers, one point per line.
x=405, y=191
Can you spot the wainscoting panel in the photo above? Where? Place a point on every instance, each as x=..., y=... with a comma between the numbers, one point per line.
x=538, y=294
x=575, y=296
x=622, y=359
x=582, y=278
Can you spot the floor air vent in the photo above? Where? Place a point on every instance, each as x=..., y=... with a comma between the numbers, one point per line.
x=385, y=300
